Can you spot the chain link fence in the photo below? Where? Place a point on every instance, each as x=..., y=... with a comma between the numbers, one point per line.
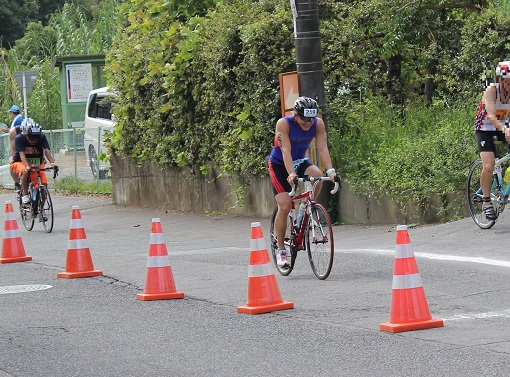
x=75, y=152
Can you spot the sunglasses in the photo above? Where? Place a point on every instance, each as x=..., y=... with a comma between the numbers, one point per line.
x=307, y=119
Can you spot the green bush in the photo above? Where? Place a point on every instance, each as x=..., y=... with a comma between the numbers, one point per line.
x=409, y=157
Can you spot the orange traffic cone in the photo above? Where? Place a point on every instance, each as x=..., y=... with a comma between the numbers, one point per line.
x=12, y=245
x=409, y=307
x=79, y=262
x=159, y=281
x=263, y=293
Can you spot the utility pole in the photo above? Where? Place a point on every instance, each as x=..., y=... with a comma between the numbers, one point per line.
x=309, y=51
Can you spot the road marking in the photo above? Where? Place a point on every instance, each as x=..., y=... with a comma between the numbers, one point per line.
x=23, y=288
x=445, y=257
x=505, y=313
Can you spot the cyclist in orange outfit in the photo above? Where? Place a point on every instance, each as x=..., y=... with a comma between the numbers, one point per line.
x=31, y=148
x=492, y=123
x=287, y=161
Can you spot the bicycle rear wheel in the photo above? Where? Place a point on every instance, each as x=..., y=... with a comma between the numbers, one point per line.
x=319, y=241
x=26, y=215
x=46, y=209
x=289, y=245
x=475, y=196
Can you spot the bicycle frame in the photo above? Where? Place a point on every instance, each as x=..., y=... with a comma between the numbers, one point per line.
x=308, y=195
x=40, y=204
x=313, y=233
x=498, y=182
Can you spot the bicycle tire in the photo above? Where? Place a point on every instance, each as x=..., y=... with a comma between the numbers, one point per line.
x=26, y=214
x=47, y=206
x=474, y=196
x=319, y=241
x=283, y=270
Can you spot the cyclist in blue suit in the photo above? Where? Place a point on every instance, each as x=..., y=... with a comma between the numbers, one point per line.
x=287, y=160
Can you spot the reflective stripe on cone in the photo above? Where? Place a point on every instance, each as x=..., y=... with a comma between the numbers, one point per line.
x=263, y=293
x=12, y=245
x=159, y=280
x=79, y=261
x=409, y=306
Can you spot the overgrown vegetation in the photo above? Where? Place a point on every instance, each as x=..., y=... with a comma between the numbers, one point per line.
x=198, y=83
x=73, y=30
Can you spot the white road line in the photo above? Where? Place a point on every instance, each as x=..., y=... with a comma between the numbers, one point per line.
x=505, y=313
x=445, y=257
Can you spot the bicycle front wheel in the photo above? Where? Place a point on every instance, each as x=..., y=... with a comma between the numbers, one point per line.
x=289, y=245
x=319, y=241
x=475, y=196
x=46, y=209
x=26, y=215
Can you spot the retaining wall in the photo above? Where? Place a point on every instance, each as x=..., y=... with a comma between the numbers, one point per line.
x=151, y=186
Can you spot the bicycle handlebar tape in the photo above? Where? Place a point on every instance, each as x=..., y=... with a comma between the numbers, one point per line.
x=159, y=281
x=79, y=261
x=12, y=245
x=263, y=293
x=409, y=307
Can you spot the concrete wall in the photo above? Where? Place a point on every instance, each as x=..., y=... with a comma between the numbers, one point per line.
x=151, y=186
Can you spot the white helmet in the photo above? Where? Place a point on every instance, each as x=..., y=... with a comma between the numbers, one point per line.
x=503, y=69
x=29, y=127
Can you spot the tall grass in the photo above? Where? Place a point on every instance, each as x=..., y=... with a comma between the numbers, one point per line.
x=69, y=32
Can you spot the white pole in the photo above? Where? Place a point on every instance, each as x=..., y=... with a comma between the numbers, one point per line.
x=24, y=94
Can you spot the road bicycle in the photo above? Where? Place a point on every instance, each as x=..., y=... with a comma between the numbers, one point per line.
x=499, y=191
x=40, y=205
x=310, y=229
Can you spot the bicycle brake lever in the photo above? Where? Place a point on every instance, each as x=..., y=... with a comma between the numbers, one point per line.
x=293, y=191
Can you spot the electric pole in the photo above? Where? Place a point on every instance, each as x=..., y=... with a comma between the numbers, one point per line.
x=309, y=51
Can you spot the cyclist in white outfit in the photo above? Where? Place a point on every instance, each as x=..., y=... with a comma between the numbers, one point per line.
x=492, y=123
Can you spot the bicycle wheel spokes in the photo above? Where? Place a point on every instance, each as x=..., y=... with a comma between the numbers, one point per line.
x=319, y=242
x=475, y=196
x=283, y=270
x=46, y=212
x=26, y=216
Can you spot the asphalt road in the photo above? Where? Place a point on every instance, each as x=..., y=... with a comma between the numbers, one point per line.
x=96, y=327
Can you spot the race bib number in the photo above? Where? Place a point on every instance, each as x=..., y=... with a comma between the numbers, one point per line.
x=34, y=161
x=310, y=113
x=502, y=114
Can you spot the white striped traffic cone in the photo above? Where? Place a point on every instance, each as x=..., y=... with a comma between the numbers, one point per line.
x=409, y=306
x=79, y=261
x=12, y=245
x=159, y=281
x=263, y=292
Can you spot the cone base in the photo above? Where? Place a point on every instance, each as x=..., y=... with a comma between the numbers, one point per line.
x=420, y=325
x=159, y=296
x=15, y=259
x=84, y=274
x=245, y=309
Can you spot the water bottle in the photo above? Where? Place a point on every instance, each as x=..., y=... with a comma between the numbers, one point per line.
x=292, y=217
x=34, y=195
x=301, y=213
x=506, y=178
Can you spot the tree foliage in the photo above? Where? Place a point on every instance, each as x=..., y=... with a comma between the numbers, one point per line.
x=211, y=82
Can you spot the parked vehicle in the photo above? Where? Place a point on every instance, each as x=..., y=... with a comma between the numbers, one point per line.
x=98, y=122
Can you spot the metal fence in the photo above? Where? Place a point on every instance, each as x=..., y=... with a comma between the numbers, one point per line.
x=68, y=150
